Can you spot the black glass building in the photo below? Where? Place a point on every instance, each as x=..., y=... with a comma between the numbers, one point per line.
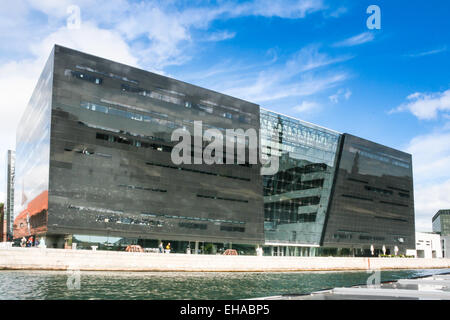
x=93, y=165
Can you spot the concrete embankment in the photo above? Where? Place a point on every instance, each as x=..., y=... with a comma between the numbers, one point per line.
x=86, y=260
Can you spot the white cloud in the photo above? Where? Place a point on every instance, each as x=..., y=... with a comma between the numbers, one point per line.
x=270, y=86
x=160, y=32
x=220, y=36
x=90, y=39
x=356, y=40
x=18, y=78
x=310, y=58
x=282, y=9
x=426, y=106
x=431, y=156
x=431, y=163
x=299, y=76
x=340, y=94
x=427, y=53
x=306, y=106
x=338, y=12
x=429, y=199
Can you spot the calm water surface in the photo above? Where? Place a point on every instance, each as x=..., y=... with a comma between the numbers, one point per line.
x=177, y=285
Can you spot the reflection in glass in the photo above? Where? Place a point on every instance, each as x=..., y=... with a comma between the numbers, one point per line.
x=32, y=159
x=296, y=197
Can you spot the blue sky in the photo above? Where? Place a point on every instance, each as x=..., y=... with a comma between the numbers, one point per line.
x=315, y=60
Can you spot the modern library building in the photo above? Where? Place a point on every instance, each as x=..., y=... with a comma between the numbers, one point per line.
x=94, y=167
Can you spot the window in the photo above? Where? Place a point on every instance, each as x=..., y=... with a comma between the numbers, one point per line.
x=394, y=204
x=244, y=119
x=221, y=198
x=191, y=225
x=232, y=229
x=205, y=108
x=307, y=217
x=196, y=171
x=102, y=136
x=122, y=140
x=87, y=77
x=403, y=195
x=356, y=197
x=378, y=190
x=140, y=91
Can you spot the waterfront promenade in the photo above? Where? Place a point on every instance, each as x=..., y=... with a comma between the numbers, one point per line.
x=87, y=260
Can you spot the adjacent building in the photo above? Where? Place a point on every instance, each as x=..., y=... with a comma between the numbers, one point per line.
x=441, y=222
x=428, y=245
x=441, y=225
x=94, y=166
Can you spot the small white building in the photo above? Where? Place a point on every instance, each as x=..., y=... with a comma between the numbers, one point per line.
x=428, y=245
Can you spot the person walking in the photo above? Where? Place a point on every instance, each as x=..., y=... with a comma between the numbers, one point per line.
x=161, y=247
x=168, y=248
x=23, y=242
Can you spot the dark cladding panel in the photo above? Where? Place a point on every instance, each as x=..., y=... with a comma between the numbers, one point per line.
x=373, y=200
x=111, y=171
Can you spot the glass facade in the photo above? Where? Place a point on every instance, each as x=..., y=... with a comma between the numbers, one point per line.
x=32, y=159
x=296, y=197
x=441, y=222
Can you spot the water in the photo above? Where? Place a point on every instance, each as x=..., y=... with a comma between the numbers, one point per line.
x=178, y=285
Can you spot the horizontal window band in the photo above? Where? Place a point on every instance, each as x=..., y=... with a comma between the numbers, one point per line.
x=395, y=204
x=118, y=216
x=371, y=238
x=141, y=188
x=87, y=77
x=232, y=229
x=88, y=153
x=151, y=214
x=357, y=180
x=221, y=198
x=379, y=190
x=196, y=171
x=394, y=219
x=398, y=189
x=158, y=147
x=403, y=195
x=356, y=197
x=191, y=225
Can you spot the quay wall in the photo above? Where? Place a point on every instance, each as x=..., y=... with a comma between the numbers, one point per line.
x=87, y=260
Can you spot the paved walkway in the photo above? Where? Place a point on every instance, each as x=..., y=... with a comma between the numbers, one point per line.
x=87, y=260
